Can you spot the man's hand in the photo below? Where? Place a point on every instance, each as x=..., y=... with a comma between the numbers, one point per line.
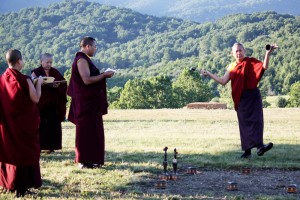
x=203, y=72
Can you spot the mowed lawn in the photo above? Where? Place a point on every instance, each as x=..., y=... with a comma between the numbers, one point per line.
x=134, y=150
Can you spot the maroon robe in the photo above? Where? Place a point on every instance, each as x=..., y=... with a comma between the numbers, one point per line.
x=52, y=108
x=19, y=135
x=245, y=76
x=89, y=103
x=248, y=102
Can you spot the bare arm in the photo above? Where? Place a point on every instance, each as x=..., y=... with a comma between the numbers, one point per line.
x=33, y=75
x=84, y=72
x=35, y=92
x=222, y=80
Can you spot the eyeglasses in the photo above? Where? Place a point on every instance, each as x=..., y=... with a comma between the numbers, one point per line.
x=94, y=46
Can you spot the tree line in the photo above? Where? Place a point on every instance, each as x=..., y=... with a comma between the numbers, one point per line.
x=144, y=46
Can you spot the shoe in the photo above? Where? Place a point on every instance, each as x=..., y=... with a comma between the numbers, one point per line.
x=97, y=165
x=23, y=192
x=20, y=192
x=89, y=166
x=262, y=150
x=246, y=155
x=85, y=166
x=50, y=151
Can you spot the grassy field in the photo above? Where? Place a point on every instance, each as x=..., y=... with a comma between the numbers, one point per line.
x=134, y=151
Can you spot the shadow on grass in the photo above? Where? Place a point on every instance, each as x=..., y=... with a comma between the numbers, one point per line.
x=281, y=156
x=150, y=165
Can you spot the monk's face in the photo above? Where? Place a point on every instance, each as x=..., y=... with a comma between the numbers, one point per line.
x=19, y=65
x=238, y=52
x=46, y=63
x=91, y=49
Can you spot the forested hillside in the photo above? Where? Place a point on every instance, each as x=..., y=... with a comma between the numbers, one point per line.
x=194, y=10
x=142, y=45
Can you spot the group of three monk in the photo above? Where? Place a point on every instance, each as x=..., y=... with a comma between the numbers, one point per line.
x=20, y=117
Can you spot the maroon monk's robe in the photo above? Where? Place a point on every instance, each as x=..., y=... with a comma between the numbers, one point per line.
x=248, y=102
x=89, y=103
x=19, y=135
x=52, y=108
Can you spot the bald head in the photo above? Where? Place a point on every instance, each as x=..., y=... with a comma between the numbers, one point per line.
x=13, y=56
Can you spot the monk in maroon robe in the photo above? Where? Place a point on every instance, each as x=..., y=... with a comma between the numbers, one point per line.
x=89, y=102
x=245, y=74
x=52, y=105
x=19, y=134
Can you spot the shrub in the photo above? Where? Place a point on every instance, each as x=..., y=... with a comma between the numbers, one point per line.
x=281, y=102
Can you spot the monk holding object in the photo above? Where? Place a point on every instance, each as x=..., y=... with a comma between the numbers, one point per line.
x=244, y=74
x=52, y=105
x=19, y=134
x=89, y=103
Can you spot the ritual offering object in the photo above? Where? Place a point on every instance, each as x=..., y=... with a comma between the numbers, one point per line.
x=46, y=80
x=232, y=186
x=268, y=47
x=175, y=162
x=165, y=163
x=161, y=184
x=173, y=177
x=246, y=170
x=292, y=188
x=164, y=177
x=191, y=170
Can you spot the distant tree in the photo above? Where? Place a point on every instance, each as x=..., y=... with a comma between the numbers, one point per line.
x=162, y=91
x=114, y=94
x=137, y=94
x=294, y=100
x=190, y=88
x=152, y=93
x=225, y=95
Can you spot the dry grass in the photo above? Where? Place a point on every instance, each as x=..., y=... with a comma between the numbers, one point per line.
x=134, y=151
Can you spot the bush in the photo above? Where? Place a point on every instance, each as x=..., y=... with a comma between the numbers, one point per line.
x=281, y=102
x=265, y=103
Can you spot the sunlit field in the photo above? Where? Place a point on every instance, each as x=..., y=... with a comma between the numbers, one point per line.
x=134, y=151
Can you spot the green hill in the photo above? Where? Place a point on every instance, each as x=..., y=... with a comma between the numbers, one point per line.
x=143, y=45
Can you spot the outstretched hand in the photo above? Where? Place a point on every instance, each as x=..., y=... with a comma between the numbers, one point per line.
x=203, y=72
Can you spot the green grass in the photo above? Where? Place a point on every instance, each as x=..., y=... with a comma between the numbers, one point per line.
x=134, y=151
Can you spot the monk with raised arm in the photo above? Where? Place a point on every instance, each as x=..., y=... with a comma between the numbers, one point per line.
x=245, y=74
x=19, y=134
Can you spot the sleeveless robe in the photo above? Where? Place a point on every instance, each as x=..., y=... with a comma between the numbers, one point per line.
x=89, y=103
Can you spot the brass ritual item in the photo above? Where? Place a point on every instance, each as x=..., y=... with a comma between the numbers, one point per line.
x=161, y=184
x=165, y=175
x=191, y=170
x=246, y=170
x=232, y=186
x=165, y=162
x=292, y=188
